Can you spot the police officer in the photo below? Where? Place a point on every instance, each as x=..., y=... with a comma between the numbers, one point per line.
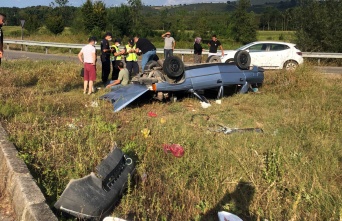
x=131, y=58
x=116, y=58
x=105, y=57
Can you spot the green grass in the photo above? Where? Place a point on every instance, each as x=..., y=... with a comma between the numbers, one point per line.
x=290, y=172
x=287, y=36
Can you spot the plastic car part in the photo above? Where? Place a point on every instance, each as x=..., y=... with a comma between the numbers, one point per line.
x=213, y=59
x=242, y=59
x=93, y=197
x=202, y=98
x=173, y=67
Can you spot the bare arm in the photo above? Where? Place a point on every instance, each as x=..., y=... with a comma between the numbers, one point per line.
x=222, y=50
x=80, y=56
x=174, y=45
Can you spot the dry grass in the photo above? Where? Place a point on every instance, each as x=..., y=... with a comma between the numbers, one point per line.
x=290, y=172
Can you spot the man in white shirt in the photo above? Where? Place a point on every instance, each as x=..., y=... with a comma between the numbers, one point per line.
x=89, y=61
x=169, y=45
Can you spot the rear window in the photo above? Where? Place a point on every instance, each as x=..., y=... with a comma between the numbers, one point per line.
x=278, y=47
x=258, y=47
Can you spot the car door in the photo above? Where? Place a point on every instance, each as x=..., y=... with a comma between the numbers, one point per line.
x=277, y=55
x=257, y=53
x=205, y=77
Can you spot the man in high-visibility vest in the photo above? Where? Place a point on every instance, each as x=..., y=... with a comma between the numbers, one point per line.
x=131, y=58
x=116, y=58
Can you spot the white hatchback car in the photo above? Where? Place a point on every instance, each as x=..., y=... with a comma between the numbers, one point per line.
x=269, y=55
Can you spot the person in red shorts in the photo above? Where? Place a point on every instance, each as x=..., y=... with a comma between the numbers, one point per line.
x=89, y=60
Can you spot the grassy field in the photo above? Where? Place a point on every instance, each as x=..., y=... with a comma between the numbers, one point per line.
x=292, y=171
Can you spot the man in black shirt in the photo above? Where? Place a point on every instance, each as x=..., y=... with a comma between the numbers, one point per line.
x=213, y=45
x=147, y=49
x=2, y=21
x=105, y=57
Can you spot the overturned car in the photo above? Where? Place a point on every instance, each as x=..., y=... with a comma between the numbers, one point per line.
x=173, y=76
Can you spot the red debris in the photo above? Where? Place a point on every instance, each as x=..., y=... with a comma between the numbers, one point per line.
x=152, y=114
x=176, y=149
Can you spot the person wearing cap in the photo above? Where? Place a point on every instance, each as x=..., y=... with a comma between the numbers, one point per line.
x=169, y=44
x=105, y=56
x=116, y=58
x=213, y=45
x=89, y=60
x=2, y=21
x=131, y=58
x=147, y=49
x=122, y=80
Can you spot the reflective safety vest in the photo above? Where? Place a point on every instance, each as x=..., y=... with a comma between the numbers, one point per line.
x=131, y=56
x=115, y=58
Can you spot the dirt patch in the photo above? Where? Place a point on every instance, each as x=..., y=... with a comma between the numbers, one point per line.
x=6, y=210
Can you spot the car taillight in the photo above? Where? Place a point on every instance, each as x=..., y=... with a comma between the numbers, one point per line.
x=154, y=87
x=299, y=53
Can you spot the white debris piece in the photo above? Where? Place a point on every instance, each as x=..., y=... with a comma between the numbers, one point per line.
x=205, y=105
x=225, y=216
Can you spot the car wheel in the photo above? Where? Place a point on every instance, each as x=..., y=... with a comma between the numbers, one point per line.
x=213, y=59
x=173, y=67
x=242, y=60
x=290, y=65
x=150, y=65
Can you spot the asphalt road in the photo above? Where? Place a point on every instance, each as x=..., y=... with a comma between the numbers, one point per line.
x=11, y=55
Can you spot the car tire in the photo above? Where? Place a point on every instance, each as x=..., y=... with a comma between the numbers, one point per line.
x=213, y=59
x=173, y=67
x=150, y=65
x=290, y=65
x=242, y=60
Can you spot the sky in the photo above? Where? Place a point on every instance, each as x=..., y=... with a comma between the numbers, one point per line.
x=26, y=3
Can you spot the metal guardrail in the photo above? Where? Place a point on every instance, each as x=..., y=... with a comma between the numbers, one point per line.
x=182, y=52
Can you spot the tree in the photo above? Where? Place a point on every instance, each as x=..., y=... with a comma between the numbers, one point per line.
x=100, y=15
x=202, y=25
x=88, y=16
x=320, y=29
x=244, y=28
x=62, y=3
x=32, y=23
x=123, y=21
x=55, y=24
x=138, y=24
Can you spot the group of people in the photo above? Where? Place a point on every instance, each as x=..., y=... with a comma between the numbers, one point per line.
x=112, y=55
x=213, y=44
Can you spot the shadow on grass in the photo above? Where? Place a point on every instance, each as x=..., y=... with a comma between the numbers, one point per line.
x=237, y=201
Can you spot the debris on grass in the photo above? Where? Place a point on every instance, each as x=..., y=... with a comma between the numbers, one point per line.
x=152, y=114
x=162, y=120
x=146, y=132
x=225, y=216
x=176, y=149
x=228, y=130
x=205, y=105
